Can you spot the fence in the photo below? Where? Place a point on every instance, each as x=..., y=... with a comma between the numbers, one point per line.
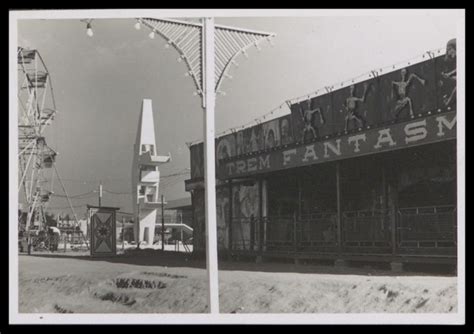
x=430, y=228
x=427, y=227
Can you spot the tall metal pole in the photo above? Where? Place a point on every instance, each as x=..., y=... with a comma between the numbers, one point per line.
x=138, y=224
x=162, y=223
x=123, y=233
x=209, y=165
x=100, y=194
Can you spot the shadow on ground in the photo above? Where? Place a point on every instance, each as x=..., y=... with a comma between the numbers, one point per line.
x=183, y=260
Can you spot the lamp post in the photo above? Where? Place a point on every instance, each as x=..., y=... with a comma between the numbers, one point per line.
x=208, y=50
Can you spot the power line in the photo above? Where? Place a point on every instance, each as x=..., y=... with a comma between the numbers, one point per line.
x=181, y=172
x=74, y=196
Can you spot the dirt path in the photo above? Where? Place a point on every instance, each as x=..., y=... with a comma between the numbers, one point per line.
x=81, y=285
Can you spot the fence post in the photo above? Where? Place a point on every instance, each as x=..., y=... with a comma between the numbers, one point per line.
x=339, y=213
x=394, y=231
x=295, y=241
x=231, y=200
x=260, y=216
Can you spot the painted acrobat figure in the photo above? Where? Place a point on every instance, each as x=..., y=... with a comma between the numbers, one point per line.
x=401, y=88
x=308, y=120
x=450, y=56
x=351, y=104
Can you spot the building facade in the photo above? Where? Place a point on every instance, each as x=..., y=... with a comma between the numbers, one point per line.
x=364, y=171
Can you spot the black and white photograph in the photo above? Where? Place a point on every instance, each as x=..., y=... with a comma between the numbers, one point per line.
x=270, y=166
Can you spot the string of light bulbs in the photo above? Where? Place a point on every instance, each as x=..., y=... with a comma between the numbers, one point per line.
x=370, y=74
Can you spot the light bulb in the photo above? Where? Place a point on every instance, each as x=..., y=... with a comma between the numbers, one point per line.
x=137, y=25
x=89, y=31
x=152, y=34
x=179, y=59
x=167, y=46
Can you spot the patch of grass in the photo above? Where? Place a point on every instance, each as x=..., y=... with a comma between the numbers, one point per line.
x=162, y=274
x=116, y=298
x=138, y=283
x=60, y=309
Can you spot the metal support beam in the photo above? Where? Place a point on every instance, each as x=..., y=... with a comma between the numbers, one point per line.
x=207, y=77
x=210, y=166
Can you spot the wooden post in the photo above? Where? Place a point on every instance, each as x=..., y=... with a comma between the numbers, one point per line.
x=339, y=213
x=162, y=223
x=260, y=215
x=123, y=233
x=230, y=215
x=394, y=217
x=138, y=226
x=300, y=196
x=300, y=205
x=295, y=245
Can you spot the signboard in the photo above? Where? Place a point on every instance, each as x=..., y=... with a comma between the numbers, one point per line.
x=197, y=160
x=402, y=95
x=225, y=147
x=355, y=106
x=312, y=118
x=222, y=217
x=445, y=68
x=286, y=131
x=103, y=231
x=408, y=92
x=271, y=133
x=199, y=220
x=419, y=131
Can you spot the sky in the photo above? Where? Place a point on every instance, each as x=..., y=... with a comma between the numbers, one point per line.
x=99, y=83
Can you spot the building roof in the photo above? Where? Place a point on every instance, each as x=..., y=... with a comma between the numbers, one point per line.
x=179, y=203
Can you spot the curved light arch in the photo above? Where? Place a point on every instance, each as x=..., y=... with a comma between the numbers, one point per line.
x=187, y=38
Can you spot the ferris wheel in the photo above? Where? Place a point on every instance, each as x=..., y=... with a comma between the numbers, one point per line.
x=36, y=111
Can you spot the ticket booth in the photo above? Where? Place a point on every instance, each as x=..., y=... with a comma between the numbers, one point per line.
x=103, y=230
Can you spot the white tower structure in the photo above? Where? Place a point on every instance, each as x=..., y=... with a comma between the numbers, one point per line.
x=146, y=176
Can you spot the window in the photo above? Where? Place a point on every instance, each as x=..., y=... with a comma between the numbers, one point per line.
x=148, y=168
x=148, y=148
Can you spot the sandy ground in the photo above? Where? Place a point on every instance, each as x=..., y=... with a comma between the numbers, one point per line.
x=163, y=284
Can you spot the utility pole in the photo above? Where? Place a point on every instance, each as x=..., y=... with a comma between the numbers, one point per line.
x=138, y=225
x=123, y=233
x=162, y=223
x=100, y=194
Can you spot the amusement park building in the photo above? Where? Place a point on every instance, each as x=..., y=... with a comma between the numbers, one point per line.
x=365, y=171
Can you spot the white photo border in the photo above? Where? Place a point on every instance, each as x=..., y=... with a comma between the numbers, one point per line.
x=318, y=318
